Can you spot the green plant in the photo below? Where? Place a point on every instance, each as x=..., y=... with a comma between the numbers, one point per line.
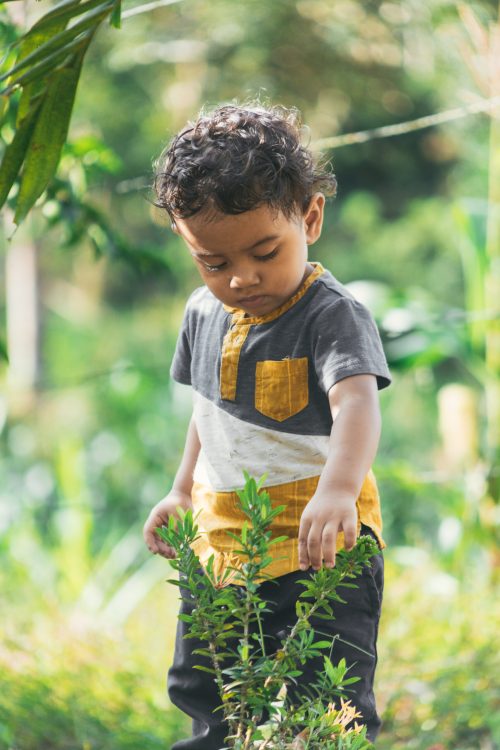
x=66, y=684
x=254, y=689
x=47, y=67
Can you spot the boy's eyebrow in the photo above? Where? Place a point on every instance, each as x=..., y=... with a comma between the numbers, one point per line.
x=269, y=238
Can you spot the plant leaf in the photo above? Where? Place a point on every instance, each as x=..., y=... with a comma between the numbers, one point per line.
x=203, y=669
x=58, y=41
x=29, y=43
x=62, y=12
x=116, y=15
x=42, y=31
x=15, y=152
x=48, y=136
x=278, y=539
x=3, y=350
x=48, y=64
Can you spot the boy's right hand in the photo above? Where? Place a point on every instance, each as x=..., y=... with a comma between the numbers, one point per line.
x=159, y=517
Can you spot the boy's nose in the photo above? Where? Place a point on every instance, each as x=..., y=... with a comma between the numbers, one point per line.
x=244, y=278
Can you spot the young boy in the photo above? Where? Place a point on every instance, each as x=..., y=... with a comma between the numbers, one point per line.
x=285, y=366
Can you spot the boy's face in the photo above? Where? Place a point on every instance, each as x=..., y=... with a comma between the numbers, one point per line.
x=256, y=260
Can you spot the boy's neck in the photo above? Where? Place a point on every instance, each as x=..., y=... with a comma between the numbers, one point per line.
x=309, y=268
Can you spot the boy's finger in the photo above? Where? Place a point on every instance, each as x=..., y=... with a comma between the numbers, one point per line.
x=151, y=539
x=157, y=521
x=149, y=528
x=154, y=543
x=164, y=550
x=304, y=562
x=151, y=543
x=349, y=534
x=329, y=545
x=314, y=546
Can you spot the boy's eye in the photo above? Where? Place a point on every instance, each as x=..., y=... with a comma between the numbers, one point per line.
x=209, y=267
x=269, y=256
x=212, y=268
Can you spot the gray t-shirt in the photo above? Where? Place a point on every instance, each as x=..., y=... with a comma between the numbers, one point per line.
x=244, y=365
x=260, y=404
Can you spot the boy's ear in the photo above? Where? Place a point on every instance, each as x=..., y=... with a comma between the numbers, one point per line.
x=313, y=217
x=173, y=227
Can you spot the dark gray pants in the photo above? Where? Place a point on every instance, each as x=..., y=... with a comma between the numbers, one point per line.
x=356, y=621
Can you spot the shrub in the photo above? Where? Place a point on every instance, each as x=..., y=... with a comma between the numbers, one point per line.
x=254, y=688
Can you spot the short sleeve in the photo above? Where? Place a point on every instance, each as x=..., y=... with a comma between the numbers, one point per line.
x=348, y=343
x=180, y=369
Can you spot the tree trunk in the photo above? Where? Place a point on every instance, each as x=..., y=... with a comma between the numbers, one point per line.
x=492, y=285
x=23, y=321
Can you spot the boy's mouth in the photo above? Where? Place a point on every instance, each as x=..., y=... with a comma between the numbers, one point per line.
x=254, y=301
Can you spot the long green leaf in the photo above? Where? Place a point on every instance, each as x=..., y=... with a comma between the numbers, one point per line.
x=48, y=137
x=63, y=11
x=29, y=43
x=46, y=27
x=14, y=153
x=62, y=38
x=3, y=350
x=116, y=15
x=50, y=63
x=42, y=31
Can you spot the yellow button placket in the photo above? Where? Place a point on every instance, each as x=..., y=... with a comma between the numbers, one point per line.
x=238, y=331
x=231, y=348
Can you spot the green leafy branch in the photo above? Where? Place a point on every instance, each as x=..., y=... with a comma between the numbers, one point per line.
x=225, y=611
x=47, y=66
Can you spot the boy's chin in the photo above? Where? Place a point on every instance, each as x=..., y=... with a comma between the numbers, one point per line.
x=262, y=305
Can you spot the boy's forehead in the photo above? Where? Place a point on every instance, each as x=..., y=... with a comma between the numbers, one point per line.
x=223, y=233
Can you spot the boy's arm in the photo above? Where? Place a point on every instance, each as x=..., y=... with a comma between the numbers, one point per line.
x=353, y=445
x=179, y=495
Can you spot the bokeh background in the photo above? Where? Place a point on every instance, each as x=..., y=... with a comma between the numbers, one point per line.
x=92, y=428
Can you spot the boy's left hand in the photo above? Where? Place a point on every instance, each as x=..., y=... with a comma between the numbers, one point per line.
x=323, y=517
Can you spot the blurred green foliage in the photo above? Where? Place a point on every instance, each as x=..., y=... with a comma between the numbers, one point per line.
x=81, y=469
x=438, y=676
x=63, y=687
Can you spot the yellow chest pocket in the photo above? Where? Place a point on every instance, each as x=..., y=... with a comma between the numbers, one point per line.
x=281, y=387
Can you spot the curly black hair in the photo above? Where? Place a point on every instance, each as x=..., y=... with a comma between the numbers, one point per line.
x=237, y=158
